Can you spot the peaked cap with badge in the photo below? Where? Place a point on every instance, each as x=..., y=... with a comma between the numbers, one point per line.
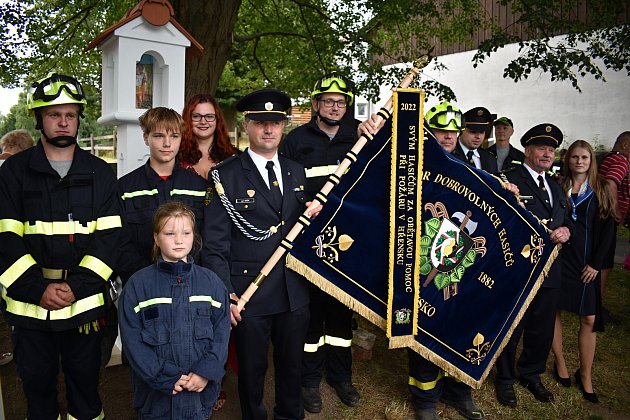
x=543, y=134
x=265, y=105
x=478, y=119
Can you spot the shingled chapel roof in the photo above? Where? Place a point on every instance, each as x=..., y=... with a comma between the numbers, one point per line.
x=156, y=12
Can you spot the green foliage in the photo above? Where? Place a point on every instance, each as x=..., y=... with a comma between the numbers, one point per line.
x=590, y=45
x=39, y=36
x=19, y=118
x=290, y=43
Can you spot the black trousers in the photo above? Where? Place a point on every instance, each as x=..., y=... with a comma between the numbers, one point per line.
x=328, y=341
x=536, y=327
x=37, y=355
x=427, y=383
x=286, y=331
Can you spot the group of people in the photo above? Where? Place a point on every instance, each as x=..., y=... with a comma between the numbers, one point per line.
x=581, y=213
x=69, y=227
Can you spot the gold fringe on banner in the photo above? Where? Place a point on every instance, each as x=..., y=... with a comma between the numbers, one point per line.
x=401, y=341
x=451, y=370
x=334, y=291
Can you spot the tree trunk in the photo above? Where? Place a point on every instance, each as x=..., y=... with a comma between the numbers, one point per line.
x=211, y=23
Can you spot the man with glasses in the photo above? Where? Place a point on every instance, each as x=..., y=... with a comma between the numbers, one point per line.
x=320, y=145
x=59, y=229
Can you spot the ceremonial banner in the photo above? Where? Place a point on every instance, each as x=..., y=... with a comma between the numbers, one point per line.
x=404, y=220
x=422, y=244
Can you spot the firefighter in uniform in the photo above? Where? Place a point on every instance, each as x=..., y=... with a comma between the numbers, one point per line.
x=159, y=180
x=59, y=228
x=428, y=383
x=320, y=145
x=477, y=127
x=258, y=197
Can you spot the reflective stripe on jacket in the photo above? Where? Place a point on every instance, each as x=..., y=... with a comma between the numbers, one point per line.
x=174, y=319
x=141, y=192
x=49, y=223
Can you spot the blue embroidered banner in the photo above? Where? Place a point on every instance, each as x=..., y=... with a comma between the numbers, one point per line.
x=430, y=244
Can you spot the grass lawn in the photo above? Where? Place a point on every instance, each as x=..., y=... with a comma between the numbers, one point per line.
x=382, y=380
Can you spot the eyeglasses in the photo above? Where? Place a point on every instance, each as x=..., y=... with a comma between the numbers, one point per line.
x=50, y=88
x=445, y=118
x=207, y=117
x=329, y=103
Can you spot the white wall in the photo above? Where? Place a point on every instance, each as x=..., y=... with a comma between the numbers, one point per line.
x=598, y=114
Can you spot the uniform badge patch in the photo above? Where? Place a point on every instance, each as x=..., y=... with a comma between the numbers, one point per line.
x=250, y=193
x=208, y=198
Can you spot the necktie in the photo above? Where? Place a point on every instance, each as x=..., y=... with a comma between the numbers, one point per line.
x=276, y=194
x=541, y=185
x=469, y=156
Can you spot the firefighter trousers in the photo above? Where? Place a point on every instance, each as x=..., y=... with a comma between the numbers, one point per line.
x=37, y=355
x=428, y=384
x=328, y=341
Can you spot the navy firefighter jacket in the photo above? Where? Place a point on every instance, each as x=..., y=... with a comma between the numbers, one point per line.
x=174, y=319
x=55, y=229
x=142, y=191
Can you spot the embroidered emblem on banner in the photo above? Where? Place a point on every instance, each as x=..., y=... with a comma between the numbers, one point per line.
x=402, y=316
x=448, y=249
x=325, y=246
x=478, y=353
x=533, y=250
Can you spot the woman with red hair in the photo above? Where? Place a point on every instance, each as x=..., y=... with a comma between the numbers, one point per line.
x=205, y=140
x=205, y=143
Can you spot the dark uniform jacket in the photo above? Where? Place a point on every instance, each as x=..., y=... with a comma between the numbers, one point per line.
x=538, y=204
x=174, y=319
x=141, y=192
x=238, y=259
x=488, y=161
x=54, y=228
x=320, y=155
x=514, y=158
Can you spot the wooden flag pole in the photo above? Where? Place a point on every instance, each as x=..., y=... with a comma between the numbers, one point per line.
x=321, y=196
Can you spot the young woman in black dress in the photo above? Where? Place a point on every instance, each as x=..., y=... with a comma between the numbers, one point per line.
x=593, y=212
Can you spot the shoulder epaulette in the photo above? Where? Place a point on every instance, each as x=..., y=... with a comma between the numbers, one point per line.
x=225, y=161
x=508, y=170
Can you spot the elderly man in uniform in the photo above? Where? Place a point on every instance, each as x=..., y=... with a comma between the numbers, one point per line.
x=258, y=197
x=478, y=122
x=507, y=155
x=544, y=198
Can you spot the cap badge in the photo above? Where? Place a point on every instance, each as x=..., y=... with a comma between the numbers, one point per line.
x=480, y=112
x=268, y=106
x=548, y=129
x=250, y=193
